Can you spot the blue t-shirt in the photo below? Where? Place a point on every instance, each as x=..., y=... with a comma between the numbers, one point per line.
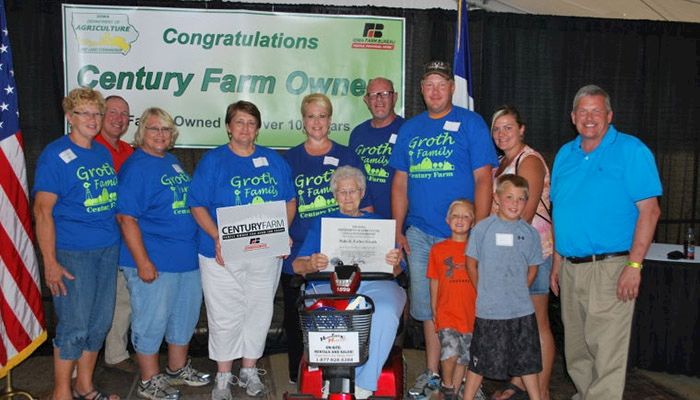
x=224, y=179
x=312, y=176
x=440, y=156
x=505, y=250
x=373, y=146
x=154, y=191
x=595, y=194
x=85, y=182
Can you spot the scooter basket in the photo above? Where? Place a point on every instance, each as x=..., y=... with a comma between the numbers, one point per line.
x=319, y=313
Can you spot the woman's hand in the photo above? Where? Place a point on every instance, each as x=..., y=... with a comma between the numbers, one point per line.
x=318, y=262
x=217, y=250
x=53, y=276
x=393, y=258
x=147, y=272
x=285, y=256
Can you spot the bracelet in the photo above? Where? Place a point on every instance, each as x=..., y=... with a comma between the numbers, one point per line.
x=635, y=265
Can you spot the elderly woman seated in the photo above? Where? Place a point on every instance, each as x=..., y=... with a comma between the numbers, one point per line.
x=348, y=186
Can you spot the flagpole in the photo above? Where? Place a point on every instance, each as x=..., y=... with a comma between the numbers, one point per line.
x=9, y=392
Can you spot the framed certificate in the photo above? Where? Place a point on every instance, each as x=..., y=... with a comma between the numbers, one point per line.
x=360, y=241
x=253, y=230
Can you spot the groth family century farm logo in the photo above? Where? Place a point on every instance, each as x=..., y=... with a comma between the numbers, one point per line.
x=103, y=33
x=373, y=38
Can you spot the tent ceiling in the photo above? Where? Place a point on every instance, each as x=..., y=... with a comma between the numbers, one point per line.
x=661, y=10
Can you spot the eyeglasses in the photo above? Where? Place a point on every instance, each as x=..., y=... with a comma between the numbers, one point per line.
x=154, y=129
x=346, y=193
x=88, y=115
x=380, y=95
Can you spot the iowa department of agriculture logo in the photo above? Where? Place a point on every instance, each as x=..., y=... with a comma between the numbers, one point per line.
x=103, y=33
x=373, y=38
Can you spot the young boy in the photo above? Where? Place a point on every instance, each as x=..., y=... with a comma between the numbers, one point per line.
x=453, y=297
x=502, y=258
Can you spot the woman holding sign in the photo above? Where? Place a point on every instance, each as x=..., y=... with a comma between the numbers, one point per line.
x=238, y=294
x=348, y=186
x=312, y=164
x=158, y=255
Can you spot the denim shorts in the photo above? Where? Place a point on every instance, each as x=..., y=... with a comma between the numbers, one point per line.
x=166, y=308
x=84, y=314
x=541, y=283
x=420, y=243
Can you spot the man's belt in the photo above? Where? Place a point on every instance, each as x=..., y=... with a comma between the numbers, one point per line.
x=596, y=257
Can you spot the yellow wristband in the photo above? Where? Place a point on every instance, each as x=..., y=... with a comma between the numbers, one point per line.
x=634, y=264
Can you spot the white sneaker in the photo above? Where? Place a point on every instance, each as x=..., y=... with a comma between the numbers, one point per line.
x=325, y=390
x=221, y=389
x=250, y=380
x=362, y=393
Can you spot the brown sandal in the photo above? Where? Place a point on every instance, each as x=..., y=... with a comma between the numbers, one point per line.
x=518, y=393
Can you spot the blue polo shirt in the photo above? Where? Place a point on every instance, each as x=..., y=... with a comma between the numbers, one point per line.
x=594, y=194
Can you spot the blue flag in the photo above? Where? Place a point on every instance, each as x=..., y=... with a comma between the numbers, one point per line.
x=462, y=65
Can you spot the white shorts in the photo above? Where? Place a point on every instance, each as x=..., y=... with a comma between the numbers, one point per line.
x=239, y=300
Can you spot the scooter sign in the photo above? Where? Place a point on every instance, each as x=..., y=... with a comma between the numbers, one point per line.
x=334, y=347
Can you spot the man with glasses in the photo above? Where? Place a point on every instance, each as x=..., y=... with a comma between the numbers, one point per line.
x=604, y=194
x=114, y=125
x=441, y=155
x=374, y=139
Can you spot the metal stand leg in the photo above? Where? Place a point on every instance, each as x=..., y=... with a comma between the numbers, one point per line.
x=9, y=392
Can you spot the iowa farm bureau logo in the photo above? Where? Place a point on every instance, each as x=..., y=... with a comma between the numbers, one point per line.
x=373, y=38
x=103, y=33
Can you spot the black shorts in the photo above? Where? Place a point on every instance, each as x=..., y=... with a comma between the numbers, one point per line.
x=503, y=348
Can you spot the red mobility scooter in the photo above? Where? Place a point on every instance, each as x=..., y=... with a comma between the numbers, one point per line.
x=336, y=329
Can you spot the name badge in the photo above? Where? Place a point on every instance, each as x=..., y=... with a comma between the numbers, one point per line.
x=260, y=162
x=392, y=138
x=504, y=239
x=328, y=160
x=452, y=126
x=67, y=156
x=178, y=168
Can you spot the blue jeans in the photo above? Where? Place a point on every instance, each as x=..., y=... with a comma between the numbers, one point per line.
x=541, y=283
x=420, y=243
x=166, y=308
x=85, y=313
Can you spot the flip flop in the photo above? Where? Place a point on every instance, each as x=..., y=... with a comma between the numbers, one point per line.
x=93, y=395
x=518, y=394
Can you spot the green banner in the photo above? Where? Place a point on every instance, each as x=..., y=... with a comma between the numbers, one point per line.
x=194, y=62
